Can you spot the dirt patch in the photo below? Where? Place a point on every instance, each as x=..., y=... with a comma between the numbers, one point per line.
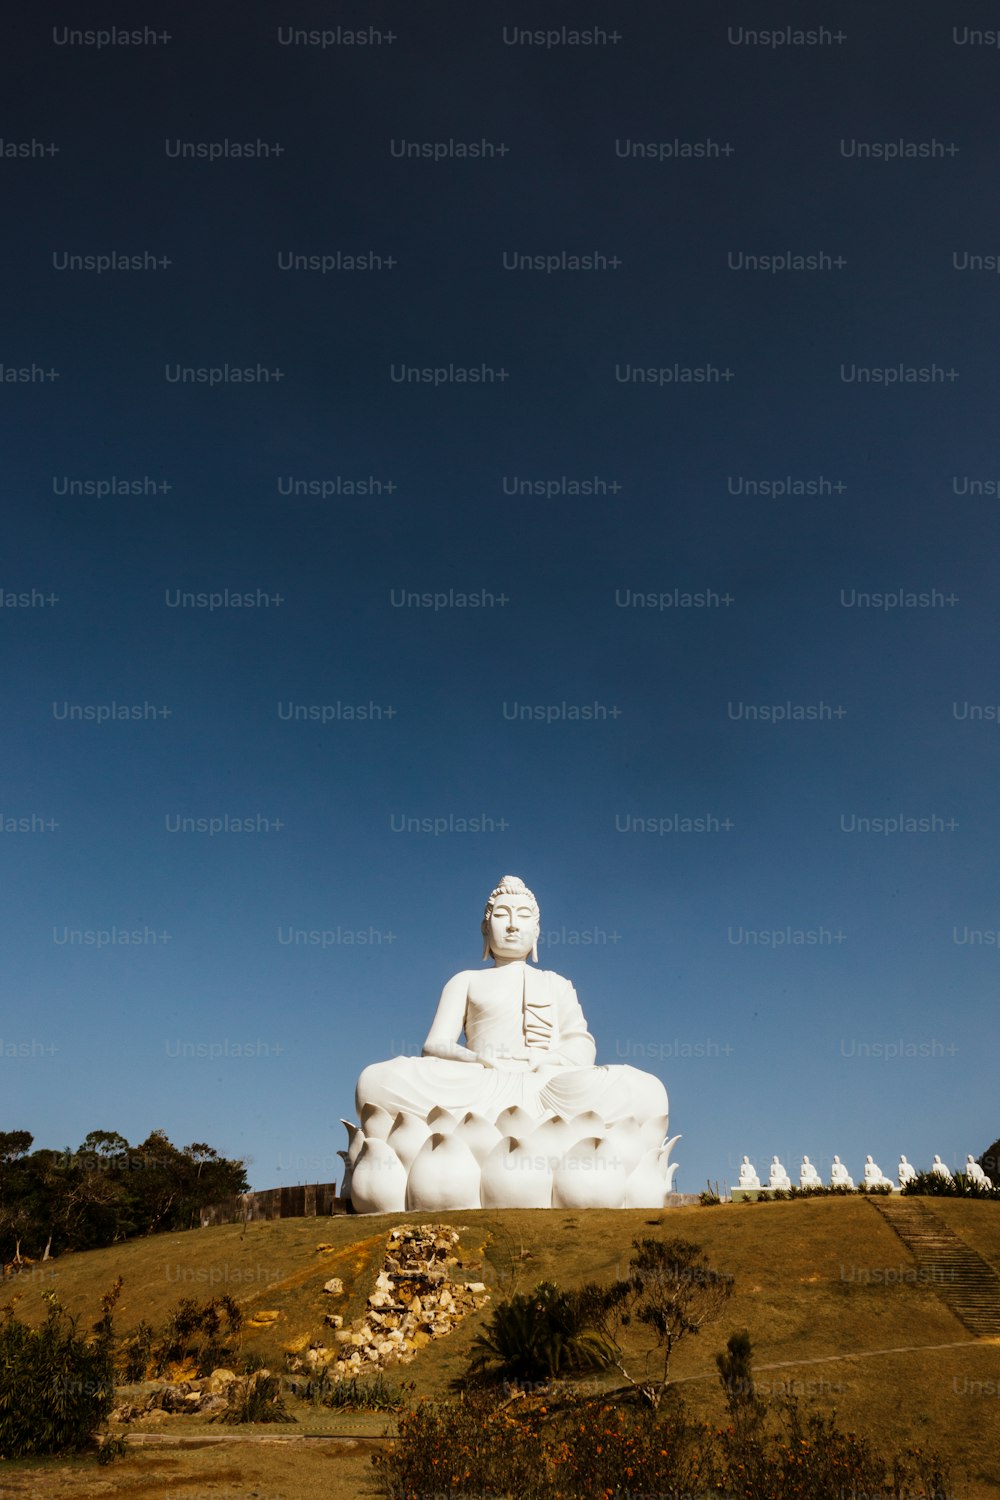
x=311, y=1470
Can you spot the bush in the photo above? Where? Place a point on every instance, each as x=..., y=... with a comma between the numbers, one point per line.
x=477, y=1445
x=55, y=1388
x=469, y=1445
x=539, y=1335
x=559, y=1446
x=257, y=1398
x=630, y=1448
x=191, y=1333
x=932, y=1185
x=481, y=1445
x=358, y=1393
x=372, y=1394
x=136, y=1353
x=774, y=1452
x=810, y=1458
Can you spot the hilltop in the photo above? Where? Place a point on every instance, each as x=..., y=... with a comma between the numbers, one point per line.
x=837, y=1311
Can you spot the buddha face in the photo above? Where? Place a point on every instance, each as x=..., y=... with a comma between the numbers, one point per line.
x=512, y=927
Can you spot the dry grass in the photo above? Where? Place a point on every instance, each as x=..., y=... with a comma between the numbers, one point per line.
x=230, y=1471
x=822, y=1287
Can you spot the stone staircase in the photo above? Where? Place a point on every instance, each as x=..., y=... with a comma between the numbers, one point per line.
x=965, y=1282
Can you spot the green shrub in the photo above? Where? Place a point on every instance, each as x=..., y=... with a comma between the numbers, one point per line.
x=257, y=1398
x=539, y=1335
x=357, y=1393
x=55, y=1388
x=195, y=1333
x=930, y=1184
x=110, y=1449
x=135, y=1353
x=373, y=1393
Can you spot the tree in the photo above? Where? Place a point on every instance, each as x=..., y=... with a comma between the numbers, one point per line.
x=212, y=1179
x=105, y=1191
x=15, y=1183
x=13, y=1144
x=169, y=1187
x=672, y=1291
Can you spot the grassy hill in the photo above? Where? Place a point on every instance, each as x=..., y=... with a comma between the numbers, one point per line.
x=835, y=1309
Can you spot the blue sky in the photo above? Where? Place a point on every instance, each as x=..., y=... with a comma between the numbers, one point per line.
x=873, y=1025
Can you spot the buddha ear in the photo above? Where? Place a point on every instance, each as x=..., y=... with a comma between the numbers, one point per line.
x=534, y=947
x=486, y=943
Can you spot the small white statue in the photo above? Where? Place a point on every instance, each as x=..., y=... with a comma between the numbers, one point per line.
x=778, y=1178
x=839, y=1176
x=748, y=1174
x=975, y=1173
x=940, y=1170
x=808, y=1175
x=874, y=1176
x=905, y=1172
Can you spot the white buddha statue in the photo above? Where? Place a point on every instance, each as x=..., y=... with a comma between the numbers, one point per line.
x=748, y=1174
x=778, y=1177
x=839, y=1175
x=808, y=1175
x=940, y=1170
x=527, y=1059
x=905, y=1172
x=975, y=1173
x=874, y=1176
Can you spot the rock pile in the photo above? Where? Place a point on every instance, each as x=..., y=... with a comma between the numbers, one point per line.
x=207, y=1395
x=415, y=1300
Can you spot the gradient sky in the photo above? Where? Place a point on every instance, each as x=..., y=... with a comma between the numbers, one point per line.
x=877, y=1031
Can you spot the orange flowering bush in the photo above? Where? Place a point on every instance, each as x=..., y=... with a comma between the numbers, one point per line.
x=625, y=1450
x=565, y=1442
x=483, y=1447
x=477, y=1447
x=468, y=1447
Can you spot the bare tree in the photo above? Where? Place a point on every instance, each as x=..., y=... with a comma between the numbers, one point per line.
x=672, y=1291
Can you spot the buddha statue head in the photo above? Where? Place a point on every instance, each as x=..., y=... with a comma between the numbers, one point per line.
x=511, y=922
